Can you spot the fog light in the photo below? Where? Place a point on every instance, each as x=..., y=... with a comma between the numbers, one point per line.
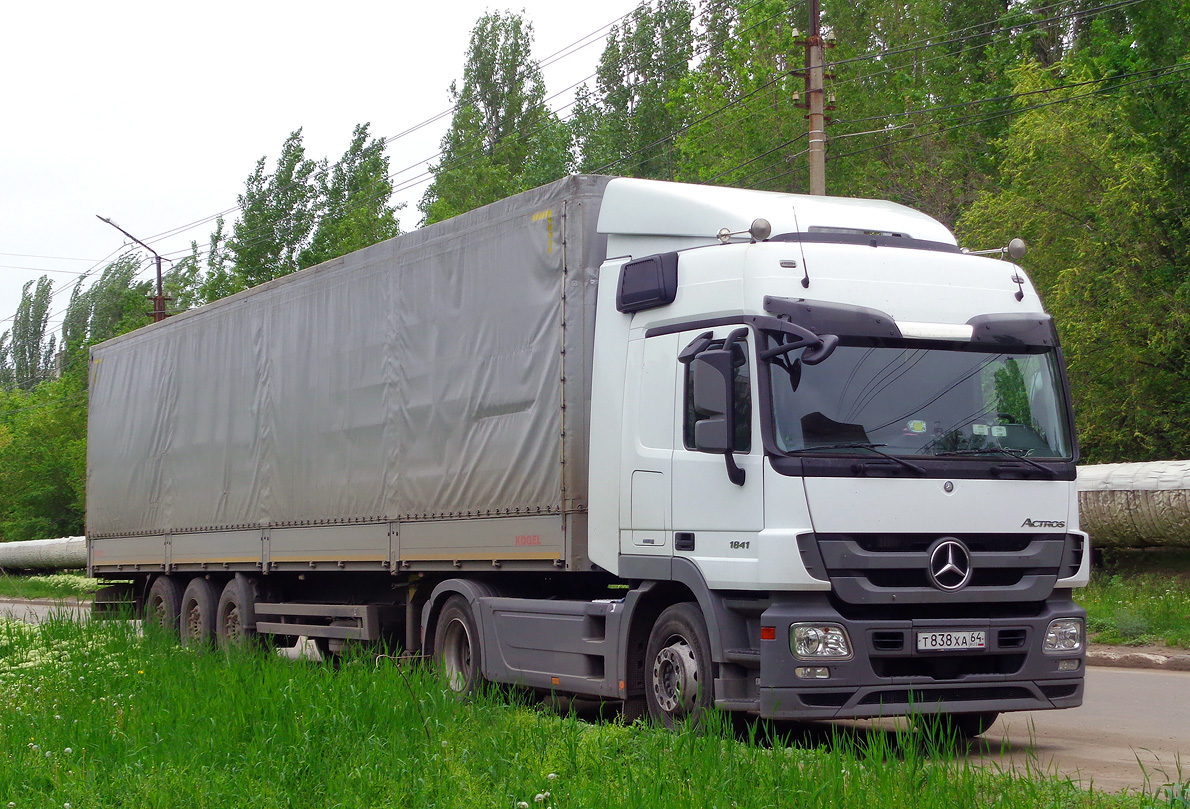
x=819, y=642
x=1069, y=665
x=813, y=672
x=1063, y=636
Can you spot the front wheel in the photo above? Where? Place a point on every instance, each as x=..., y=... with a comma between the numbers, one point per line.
x=678, y=678
x=456, y=646
x=955, y=726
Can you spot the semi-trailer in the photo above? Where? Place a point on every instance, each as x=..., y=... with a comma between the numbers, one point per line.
x=672, y=445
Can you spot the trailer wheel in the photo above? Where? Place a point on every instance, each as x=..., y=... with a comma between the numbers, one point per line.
x=198, y=613
x=678, y=678
x=164, y=604
x=235, y=616
x=456, y=646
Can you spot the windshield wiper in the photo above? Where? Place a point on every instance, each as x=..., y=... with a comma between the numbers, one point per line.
x=862, y=445
x=1017, y=454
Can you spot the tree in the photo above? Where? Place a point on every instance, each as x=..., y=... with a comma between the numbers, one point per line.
x=1082, y=186
x=745, y=127
x=43, y=460
x=631, y=120
x=278, y=214
x=26, y=352
x=502, y=138
x=355, y=209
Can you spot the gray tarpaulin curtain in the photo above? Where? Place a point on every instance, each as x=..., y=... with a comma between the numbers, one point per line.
x=419, y=376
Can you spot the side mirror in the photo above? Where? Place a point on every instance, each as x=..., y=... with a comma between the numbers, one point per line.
x=712, y=375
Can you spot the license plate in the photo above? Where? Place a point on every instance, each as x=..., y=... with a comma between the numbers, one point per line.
x=954, y=641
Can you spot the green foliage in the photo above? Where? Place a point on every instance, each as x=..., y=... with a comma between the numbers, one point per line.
x=98, y=715
x=502, y=138
x=278, y=215
x=26, y=352
x=1078, y=184
x=1140, y=597
x=628, y=122
x=353, y=202
x=43, y=436
x=48, y=585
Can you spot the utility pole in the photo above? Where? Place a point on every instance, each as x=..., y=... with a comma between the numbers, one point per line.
x=816, y=101
x=159, y=299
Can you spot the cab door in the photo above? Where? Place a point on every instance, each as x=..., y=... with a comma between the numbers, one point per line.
x=717, y=522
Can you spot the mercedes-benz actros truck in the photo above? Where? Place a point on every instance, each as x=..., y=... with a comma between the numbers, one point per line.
x=671, y=445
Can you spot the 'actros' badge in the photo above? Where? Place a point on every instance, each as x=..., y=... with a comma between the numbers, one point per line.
x=1029, y=523
x=950, y=564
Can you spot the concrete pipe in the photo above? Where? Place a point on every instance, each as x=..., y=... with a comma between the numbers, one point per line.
x=1136, y=505
x=66, y=553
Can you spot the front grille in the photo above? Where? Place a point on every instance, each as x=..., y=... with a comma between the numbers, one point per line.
x=894, y=569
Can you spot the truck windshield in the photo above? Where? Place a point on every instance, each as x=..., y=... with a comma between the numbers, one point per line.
x=915, y=398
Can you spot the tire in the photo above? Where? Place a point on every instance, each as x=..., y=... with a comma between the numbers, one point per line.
x=955, y=726
x=235, y=615
x=679, y=684
x=970, y=725
x=457, y=646
x=164, y=604
x=198, y=613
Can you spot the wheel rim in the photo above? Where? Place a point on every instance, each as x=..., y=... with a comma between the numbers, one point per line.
x=194, y=622
x=675, y=678
x=233, y=630
x=456, y=654
x=157, y=610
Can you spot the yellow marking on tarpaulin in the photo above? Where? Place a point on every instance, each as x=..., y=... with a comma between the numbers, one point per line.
x=549, y=217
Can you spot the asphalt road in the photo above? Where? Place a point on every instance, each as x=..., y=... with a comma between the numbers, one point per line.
x=1130, y=733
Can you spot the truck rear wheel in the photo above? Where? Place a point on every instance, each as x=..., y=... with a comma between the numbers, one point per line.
x=456, y=646
x=678, y=679
x=164, y=604
x=235, y=616
x=198, y=613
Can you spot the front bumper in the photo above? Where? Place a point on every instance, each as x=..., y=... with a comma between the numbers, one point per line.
x=887, y=676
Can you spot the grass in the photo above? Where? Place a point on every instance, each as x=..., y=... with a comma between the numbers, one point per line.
x=69, y=584
x=95, y=716
x=1140, y=597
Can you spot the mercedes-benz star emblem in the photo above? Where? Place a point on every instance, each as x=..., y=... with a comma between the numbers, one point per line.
x=950, y=564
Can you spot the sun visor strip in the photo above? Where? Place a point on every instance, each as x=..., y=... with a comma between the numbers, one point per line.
x=834, y=318
x=867, y=240
x=1014, y=328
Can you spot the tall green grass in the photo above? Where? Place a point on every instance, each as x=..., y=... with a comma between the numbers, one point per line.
x=1140, y=597
x=98, y=716
x=70, y=584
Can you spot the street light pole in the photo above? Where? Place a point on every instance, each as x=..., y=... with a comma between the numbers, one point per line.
x=159, y=299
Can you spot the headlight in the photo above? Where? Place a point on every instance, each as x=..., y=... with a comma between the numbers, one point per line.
x=1063, y=636
x=819, y=642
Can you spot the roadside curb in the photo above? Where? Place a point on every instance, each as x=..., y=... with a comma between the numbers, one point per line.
x=1126, y=658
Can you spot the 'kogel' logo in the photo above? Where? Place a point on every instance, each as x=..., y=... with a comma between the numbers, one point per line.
x=1043, y=524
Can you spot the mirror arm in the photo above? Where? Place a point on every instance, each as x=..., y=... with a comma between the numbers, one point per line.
x=734, y=472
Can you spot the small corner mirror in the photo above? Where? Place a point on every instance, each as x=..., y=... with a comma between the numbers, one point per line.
x=761, y=229
x=1017, y=249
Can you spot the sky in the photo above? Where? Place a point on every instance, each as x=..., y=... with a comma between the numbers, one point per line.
x=154, y=114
